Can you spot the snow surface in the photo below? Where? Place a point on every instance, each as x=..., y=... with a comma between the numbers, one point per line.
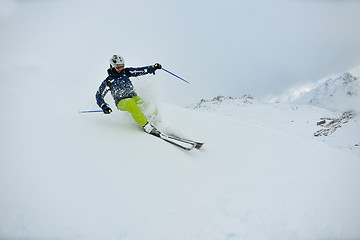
x=260, y=175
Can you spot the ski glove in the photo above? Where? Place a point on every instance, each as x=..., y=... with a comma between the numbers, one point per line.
x=157, y=66
x=106, y=109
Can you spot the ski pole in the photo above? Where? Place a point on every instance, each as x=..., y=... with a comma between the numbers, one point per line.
x=175, y=75
x=93, y=111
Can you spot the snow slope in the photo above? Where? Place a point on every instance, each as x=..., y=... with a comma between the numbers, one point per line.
x=69, y=176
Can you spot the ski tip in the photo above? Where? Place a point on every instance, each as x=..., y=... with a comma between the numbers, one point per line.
x=189, y=148
x=199, y=145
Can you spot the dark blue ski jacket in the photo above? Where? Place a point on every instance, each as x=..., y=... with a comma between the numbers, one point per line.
x=120, y=84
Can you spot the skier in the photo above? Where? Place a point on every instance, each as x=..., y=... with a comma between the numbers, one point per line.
x=122, y=90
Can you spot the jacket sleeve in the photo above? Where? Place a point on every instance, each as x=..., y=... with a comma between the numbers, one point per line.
x=135, y=72
x=101, y=93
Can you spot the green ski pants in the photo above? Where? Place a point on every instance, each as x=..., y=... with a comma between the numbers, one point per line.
x=131, y=105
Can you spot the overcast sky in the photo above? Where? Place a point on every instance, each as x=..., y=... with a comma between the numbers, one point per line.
x=228, y=47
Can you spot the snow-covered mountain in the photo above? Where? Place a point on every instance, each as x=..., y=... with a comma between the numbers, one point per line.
x=341, y=93
x=262, y=174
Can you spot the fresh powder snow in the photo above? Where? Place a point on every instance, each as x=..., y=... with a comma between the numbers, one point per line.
x=262, y=173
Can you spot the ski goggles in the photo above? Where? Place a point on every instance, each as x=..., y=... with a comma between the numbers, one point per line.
x=119, y=66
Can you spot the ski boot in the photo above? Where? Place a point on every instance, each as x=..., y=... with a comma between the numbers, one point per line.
x=151, y=130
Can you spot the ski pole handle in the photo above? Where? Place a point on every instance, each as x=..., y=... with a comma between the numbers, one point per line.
x=175, y=75
x=93, y=111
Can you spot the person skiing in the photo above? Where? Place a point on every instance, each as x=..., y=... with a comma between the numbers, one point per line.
x=122, y=90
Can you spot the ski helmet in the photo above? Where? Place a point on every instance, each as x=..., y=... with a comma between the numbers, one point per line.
x=117, y=60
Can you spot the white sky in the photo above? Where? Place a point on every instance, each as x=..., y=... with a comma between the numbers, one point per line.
x=228, y=47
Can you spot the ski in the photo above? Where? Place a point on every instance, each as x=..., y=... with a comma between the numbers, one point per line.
x=197, y=145
x=177, y=142
x=182, y=143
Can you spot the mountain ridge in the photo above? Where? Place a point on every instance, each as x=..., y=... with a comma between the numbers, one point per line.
x=341, y=93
